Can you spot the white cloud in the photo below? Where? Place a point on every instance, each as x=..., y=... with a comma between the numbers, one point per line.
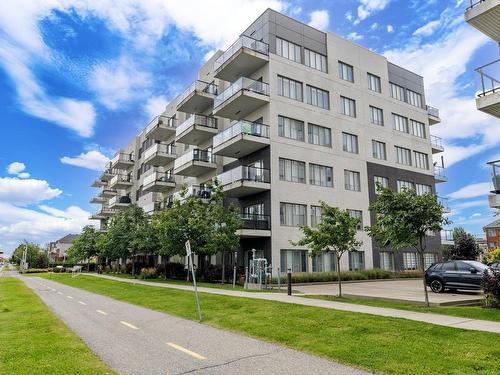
x=390, y=29
x=374, y=26
x=428, y=28
x=16, y=167
x=474, y=215
x=319, y=19
x=25, y=191
x=24, y=175
x=472, y=191
x=354, y=36
x=93, y=160
x=367, y=7
x=156, y=105
x=349, y=16
x=208, y=55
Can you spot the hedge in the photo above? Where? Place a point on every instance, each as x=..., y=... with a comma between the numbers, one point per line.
x=373, y=274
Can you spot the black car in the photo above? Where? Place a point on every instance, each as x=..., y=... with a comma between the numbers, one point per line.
x=457, y=274
x=495, y=265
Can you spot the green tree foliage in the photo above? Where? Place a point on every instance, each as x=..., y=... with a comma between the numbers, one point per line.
x=36, y=256
x=85, y=246
x=464, y=246
x=336, y=233
x=403, y=220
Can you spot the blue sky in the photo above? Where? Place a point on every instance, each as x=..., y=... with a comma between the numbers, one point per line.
x=79, y=78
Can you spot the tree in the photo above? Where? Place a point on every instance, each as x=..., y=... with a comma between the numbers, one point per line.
x=464, y=246
x=85, y=246
x=36, y=257
x=335, y=233
x=223, y=224
x=403, y=220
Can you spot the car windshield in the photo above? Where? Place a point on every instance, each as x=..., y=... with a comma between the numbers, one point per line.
x=478, y=265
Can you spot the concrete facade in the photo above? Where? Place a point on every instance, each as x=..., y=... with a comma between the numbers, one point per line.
x=248, y=78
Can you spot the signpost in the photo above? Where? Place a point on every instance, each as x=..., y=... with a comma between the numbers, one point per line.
x=189, y=256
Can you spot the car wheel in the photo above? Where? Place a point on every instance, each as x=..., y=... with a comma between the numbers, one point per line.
x=437, y=286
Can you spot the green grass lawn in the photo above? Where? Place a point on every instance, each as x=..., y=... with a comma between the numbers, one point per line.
x=469, y=312
x=34, y=341
x=379, y=344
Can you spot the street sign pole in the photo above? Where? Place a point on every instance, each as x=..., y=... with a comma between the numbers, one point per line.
x=190, y=255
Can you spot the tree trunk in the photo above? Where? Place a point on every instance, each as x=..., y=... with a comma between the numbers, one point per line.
x=339, y=276
x=223, y=268
x=165, y=264
x=88, y=265
x=422, y=268
x=133, y=266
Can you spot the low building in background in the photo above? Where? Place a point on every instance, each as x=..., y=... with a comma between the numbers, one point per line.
x=57, y=250
x=492, y=233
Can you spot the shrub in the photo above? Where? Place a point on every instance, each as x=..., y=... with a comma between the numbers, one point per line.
x=36, y=270
x=148, y=273
x=491, y=287
x=493, y=256
x=58, y=270
x=171, y=270
x=213, y=273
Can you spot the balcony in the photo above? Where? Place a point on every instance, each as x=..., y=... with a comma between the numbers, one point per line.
x=119, y=203
x=439, y=175
x=104, y=213
x=241, y=139
x=149, y=201
x=494, y=200
x=195, y=163
x=241, y=98
x=484, y=15
x=202, y=192
x=495, y=175
x=436, y=144
x=197, y=98
x=161, y=128
x=107, y=193
x=447, y=237
x=160, y=154
x=98, y=200
x=446, y=206
x=242, y=181
x=433, y=114
x=99, y=183
x=158, y=182
x=120, y=181
x=255, y=225
x=243, y=58
x=196, y=130
x=122, y=161
x=488, y=98
x=108, y=173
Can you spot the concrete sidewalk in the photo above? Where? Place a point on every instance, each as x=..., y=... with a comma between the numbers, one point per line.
x=438, y=319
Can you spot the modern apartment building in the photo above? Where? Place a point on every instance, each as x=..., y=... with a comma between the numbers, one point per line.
x=285, y=117
x=484, y=15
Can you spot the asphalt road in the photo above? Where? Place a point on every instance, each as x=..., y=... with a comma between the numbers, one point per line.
x=135, y=340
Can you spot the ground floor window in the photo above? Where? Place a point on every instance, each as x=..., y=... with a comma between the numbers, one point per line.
x=387, y=260
x=296, y=260
x=410, y=261
x=356, y=260
x=429, y=258
x=324, y=262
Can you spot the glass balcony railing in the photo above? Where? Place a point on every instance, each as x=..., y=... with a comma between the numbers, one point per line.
x=439, y=173
x=487, y=74
x=432, y=111
x=158, y=177
x=242, y=84
x=120, y=178
x=243, y=41
x=495, y=175
x=195, y=155
x=447, y=235
x=202, y=192
x=436, y=141
x=244, y=173
x=241, y=127
x=207, y=121
x=445, y=203
x=201, y=86
x=473, y=3
x=119, y=200
x=161, y=121
x=160, y=148
x=256, y=221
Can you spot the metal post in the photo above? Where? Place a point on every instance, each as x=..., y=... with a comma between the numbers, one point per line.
x=279, y=279
x=190, y=258
x=234, y=269
x=289, y=281
x=246, y=277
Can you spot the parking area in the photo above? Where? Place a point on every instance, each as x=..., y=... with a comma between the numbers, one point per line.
x=401, y=290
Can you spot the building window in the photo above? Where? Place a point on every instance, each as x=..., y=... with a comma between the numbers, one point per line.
x=422, y=189
x=491, y=232
x=350, y=143
x=429, y=259
x=292, y=214
x=347, y=106
x=317, y=97
x=324, y=262
x=405, y=185
x=320, y=175
x=294, y=260
x=387, y=260
x=346, y=72
x=414, y=98
x=492, y=245
x=418, y=128
x=254, y=211
x=403, y=155
x=356, y=260
x=400, y=123
x=358, y=215
x=352, y=180
x=290, y=88
x=421, y=160
x=288, y=50
x=319, y=135
x=379, y=151
x=397, y=92
x=315, y=60
x=374, y=83
x=410, y=261
x=376, y=116
x=292, y=170
x=383, y=181
x=315, y=215
x=291, y=128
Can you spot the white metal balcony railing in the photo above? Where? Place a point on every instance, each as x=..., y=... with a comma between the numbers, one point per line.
x=436, y=141
x=198, y=85
x=244, y=173
x=243, y=41
x=158, y=177
x=241, y=127
x=432, y=111
x=439, y=173
x=489, y=84
x=160, y=148
x=160, y=120
x=207, y=121
x=195, y=155
x=242, y=84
